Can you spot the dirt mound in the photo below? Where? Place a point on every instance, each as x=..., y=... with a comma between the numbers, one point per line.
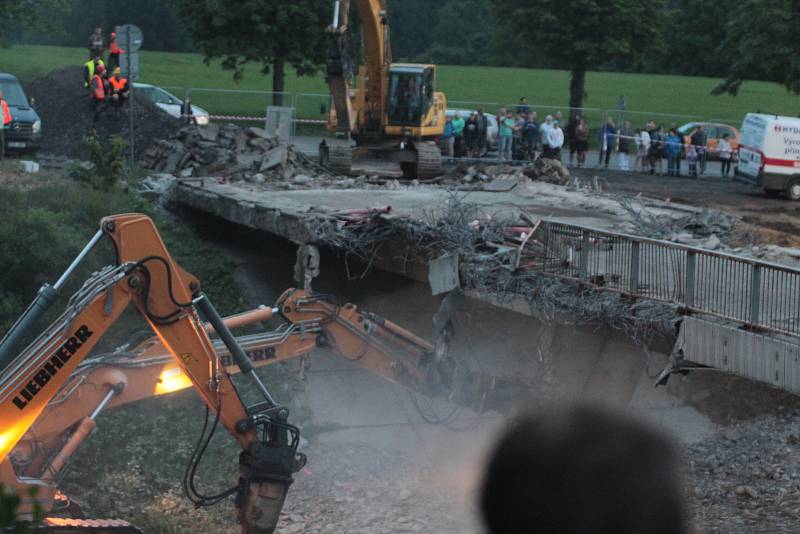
x=66, y=112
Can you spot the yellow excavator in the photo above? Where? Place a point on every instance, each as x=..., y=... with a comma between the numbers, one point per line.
x=395, y=115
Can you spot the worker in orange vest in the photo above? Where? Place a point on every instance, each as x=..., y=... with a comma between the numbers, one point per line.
x=7, y=118
x=113, y=52
x=98, y=91
x=118, y=89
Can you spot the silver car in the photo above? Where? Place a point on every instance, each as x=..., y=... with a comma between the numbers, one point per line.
x=170, y=103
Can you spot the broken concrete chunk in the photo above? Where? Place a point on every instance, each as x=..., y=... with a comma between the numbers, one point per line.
x=258, y=132
x=30, y=167
x=276, y=156
x=209, y=132
x=302, y=179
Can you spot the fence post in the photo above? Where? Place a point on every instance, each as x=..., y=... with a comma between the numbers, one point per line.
x=634, y=268
x=691, y=263
x=755, y=295
x=585, y=244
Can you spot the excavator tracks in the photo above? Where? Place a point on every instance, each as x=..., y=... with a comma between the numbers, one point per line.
x=338, y=157
x=61, y=525
x=429, y=160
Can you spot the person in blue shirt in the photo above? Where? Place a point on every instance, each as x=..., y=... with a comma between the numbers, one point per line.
x=674, y=145
x=449, y=138
x=608, y=136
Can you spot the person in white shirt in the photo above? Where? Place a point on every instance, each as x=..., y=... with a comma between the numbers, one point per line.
x=555, y=140
x=725, y=155
x=544, y=133
x=642, y=140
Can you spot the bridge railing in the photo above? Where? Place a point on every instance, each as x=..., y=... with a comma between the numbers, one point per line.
x=751, y=292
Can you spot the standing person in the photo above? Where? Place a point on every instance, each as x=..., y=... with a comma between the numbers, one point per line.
x=506, y=136
x=581, y=141
x=691, y=159
x=98, y=92
x=458, y=132
x=644, y=149
x=5, y=112
x=559, y=119
x=624, y=143
x=555, y=141
x=118, y=90
x=483, y=125
x=518, y=150
x=608, y=136
x=574, y=121
x=449, y=139
x=544, y=133
x=700, y=142
x=523, y=108
x=96, y=43
x=531, y=135
x=114, y=52
x=674, y=145
x=89, y=68
x=657, y=151
x=187, y=113
x=725, y=155
x=471, y=136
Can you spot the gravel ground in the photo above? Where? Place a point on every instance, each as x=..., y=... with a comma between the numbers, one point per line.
x=747, y=479
x=66, y=112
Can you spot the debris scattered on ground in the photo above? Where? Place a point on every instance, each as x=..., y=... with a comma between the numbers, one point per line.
x=234, y=153
x=703, y=228
x=503, y=177
x=747, y=479
x=66, y=112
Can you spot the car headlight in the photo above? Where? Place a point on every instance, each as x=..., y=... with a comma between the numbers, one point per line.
x=37, y=127
x=201, y=120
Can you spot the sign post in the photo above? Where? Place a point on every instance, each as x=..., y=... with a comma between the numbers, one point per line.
x=132, y=38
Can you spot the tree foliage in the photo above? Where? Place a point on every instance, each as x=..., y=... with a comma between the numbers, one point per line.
x=579, y=34
x=762, y=44
x=17, y=16
x=272, y=33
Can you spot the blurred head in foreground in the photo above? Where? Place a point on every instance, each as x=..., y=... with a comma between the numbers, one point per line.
x=582, y=471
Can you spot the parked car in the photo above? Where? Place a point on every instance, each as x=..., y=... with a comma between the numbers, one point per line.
x=714, y=131
x=769, y=155
x=25, y=130
x=170, y=103
x=491, y=131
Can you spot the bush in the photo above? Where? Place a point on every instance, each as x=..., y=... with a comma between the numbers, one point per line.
x=106, y=162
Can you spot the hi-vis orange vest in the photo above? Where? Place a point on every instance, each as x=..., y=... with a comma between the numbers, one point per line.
x=7, y=118
x=98, y=88
x=117, y=85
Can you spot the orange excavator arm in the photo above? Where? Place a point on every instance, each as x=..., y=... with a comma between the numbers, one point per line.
x=169, y=298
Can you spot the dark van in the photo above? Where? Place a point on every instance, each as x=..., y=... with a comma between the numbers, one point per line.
x=25, y=130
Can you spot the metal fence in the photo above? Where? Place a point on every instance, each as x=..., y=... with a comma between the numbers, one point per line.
x=751, y=292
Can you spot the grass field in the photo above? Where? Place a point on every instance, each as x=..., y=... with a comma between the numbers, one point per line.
x=675, y=96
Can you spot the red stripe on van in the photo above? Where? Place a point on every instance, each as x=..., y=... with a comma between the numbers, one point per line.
x=781, y=162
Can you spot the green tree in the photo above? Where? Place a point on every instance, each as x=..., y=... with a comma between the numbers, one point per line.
x=273, y=33
x=578, y=34
x=461, y=36
x=762, y=44
x=17, y=16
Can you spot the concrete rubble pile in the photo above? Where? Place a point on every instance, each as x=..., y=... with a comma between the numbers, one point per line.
x=231, y=152
x=505, y=177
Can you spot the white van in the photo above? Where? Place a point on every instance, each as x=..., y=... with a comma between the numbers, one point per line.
x=769, y=154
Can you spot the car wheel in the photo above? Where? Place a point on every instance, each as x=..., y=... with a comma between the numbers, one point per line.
x=793, y=189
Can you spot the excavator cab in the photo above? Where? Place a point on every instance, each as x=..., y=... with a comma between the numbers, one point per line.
x=410, y=94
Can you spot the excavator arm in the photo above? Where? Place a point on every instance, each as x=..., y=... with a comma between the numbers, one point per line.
x=143, y=369
x=169, y=299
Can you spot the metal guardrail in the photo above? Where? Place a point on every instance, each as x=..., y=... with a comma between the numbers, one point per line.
x=751, y=292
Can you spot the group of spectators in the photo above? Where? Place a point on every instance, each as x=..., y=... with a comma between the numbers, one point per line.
x=651, y=145
x=523, y=136
x=103, y=79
